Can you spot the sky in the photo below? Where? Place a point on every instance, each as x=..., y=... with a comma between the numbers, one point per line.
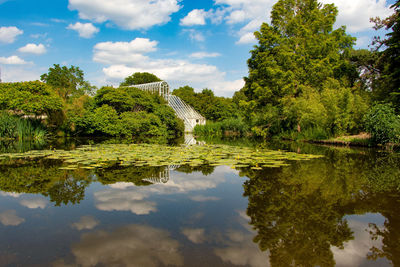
x=203, y=44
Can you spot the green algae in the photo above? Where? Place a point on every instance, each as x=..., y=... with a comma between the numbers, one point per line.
x=106, y=155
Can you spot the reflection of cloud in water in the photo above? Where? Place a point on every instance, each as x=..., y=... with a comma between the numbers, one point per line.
x=194, y=235
x=10, y=217
x=10, y=194
x=124, y=200
x=34, y=203
x=132, y=245
x=123, y=196
x=240, y=249
x=201, y=198
x=355, y=251
x=86, y=222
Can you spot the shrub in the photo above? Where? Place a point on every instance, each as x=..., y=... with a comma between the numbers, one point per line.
x=383, y=124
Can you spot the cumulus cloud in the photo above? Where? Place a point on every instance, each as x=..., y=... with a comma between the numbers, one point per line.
x=123, y=52
x=10, y=218
x=9, y=34
x=33, y=49
x=125, y=58
x=12, y=60
x=128, y=14
x=352, y=14
x=238, y=246
x=85, y=223
x=18, y=73
x=201, y=55
x=355, y=14
x=124, y=200
x=34, y=203
x=195, y=235
x=195, y=17
x=355, y=251
x=131, y=245
x=85, y=30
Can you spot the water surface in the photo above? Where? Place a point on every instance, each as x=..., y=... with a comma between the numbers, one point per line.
x=343, y=210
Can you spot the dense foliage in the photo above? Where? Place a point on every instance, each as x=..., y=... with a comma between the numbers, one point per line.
x=383, y=124
x=34, y=98
x=124, y=111
x=300, y=75
x=212, y=107
x=387, y=85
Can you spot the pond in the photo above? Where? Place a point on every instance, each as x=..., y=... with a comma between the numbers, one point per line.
x=341, y=208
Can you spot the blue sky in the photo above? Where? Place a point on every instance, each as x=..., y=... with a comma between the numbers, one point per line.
x=204, y=44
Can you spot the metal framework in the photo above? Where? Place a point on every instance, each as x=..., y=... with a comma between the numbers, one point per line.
x=160, y=88
x=189, y=115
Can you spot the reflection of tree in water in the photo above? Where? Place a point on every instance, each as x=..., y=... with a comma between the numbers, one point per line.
x=45, y=177
x=389, y=206
x=298, y=211
x=204, y=169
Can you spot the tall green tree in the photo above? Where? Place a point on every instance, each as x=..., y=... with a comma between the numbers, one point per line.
x=299, y=55
x=67, y=82
x=140, y=78
x=388, y=86
x=299, y=48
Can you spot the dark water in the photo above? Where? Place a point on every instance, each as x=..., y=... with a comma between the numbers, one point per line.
x=343, y=209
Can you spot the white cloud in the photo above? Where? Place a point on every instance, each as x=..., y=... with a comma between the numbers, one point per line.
x=239, y=247
x=355, y=251
x=123, y=52
x=128, y=14
x=85, y=30
x=355, y=14
x=195, y=36
x=195, y=17
x=34, y=203
x=9, y=34
x=195, y=235
x=85, y=223
x=10, y=217
x=125, y=58
x=12, y=60
x=19, y=73
x=11, y=194
x=124, y=200
x=201, y=55
x=131, y=245
x=33, y=49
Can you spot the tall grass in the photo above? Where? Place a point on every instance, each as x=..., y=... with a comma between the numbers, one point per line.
x=231, y=126
x=314, y=133
x=13, y=127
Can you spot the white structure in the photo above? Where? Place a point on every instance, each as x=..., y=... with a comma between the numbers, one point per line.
x=189, y=115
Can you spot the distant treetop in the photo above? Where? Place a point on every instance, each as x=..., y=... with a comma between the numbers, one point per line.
x=140, y=78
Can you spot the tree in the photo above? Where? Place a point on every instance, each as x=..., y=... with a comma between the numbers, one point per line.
x=140, y=78
x=206, y=103
x=299, y=42
x=67, y=82
x=388, y=88
x=299, y=54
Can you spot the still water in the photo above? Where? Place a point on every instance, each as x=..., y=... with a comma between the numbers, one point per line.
x=339, y=210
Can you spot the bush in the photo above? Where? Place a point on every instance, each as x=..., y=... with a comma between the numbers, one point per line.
x=13, y=127
x=383, y=124
x=228, y=126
